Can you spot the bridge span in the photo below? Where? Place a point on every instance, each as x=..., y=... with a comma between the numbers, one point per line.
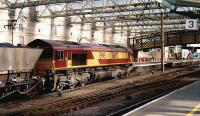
x=171, y=38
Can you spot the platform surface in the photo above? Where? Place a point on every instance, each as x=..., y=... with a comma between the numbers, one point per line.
x=182, y=102
x=182, y=61
x=145, y=64
x=138, y=64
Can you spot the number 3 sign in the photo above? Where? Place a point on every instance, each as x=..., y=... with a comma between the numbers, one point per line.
x=192, y=24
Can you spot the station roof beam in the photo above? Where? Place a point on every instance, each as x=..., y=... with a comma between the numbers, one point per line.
x=38, y=3
x=105, y=9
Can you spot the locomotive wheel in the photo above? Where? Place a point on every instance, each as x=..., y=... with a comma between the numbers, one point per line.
x=72, y=86
x=59, y=87
x=83, y=84
x=118, y=76
x=89, y=80
x=1, y=93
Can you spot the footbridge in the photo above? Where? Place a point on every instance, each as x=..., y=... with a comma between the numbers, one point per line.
x=171, y=38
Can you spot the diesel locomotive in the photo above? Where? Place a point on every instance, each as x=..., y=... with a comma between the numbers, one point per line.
x=59, y=64
x=65, y=63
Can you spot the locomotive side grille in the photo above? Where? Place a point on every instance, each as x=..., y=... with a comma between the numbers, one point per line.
x=79, y=59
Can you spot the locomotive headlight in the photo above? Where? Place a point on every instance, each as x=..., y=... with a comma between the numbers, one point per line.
x=43, y=80
x=34, y=77
x=0, y=82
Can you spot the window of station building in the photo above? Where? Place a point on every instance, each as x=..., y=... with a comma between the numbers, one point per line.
x=60, y=55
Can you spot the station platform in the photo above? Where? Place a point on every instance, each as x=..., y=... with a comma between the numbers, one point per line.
x=182, y=102
x=171, y=63
x=181, y=61
x=146, y=64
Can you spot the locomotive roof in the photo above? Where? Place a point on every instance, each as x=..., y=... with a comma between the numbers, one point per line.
x=58, y=44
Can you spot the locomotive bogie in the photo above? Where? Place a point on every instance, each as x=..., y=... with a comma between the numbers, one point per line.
x=82, y=77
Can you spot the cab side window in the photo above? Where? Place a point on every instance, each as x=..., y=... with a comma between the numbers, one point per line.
x=60, y=55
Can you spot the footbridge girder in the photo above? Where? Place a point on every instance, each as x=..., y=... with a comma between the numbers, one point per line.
x=179, y=37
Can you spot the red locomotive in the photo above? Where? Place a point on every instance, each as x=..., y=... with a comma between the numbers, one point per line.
x=65, y=63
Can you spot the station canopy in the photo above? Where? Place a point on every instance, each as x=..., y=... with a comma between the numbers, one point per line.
x=130, y=17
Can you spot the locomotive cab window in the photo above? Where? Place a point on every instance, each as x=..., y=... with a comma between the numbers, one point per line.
x=60, y=55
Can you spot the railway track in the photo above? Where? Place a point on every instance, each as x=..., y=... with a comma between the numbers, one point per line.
x=154, y=95
x=107, y=81
x=72, y=104
x=38, y=96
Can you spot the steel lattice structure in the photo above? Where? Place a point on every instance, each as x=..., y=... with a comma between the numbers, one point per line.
x=135, y=17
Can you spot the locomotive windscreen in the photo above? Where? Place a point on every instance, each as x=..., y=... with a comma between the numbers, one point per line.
x=79, y=59
x=47, y=54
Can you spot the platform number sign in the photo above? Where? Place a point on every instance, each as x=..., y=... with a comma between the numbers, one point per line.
x=192, y=24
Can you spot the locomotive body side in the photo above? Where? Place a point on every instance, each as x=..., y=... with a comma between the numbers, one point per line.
x=76, y=57
x=101, y=58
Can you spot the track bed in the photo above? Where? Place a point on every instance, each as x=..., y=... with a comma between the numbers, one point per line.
x=87, y=96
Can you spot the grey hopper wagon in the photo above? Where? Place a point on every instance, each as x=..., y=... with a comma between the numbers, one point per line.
x=16, y=64
x=18, y=59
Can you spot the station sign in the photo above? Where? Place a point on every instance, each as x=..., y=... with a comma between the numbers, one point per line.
x=191, y=24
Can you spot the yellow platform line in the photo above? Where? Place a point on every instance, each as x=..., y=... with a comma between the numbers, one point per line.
x=195, y=109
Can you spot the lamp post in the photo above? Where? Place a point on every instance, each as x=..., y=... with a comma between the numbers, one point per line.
x=162, y=44
x=11, y=26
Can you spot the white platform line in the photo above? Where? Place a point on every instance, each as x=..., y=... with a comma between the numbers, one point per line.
x=129, y=113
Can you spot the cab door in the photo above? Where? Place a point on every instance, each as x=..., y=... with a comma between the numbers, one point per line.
x=60, y=59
